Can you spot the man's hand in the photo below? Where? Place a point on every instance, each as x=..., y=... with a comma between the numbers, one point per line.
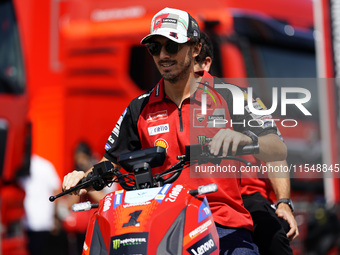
x=227, y=138
x=283, y=211
x=71, y=180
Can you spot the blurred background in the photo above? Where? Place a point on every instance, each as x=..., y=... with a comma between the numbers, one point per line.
x=68, y=69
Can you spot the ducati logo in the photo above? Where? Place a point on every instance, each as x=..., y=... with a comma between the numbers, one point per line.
x=200, y=117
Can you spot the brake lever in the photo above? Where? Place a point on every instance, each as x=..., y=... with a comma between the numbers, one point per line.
x=82, y=185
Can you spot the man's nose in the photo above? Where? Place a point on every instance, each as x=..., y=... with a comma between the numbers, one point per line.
x=164, y=54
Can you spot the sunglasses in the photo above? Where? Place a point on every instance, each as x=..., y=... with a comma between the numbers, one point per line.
x=170, y=47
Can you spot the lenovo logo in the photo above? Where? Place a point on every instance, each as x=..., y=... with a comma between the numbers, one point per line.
x=203, y=247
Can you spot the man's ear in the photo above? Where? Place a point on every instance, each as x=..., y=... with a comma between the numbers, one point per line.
x=207, y=63
x=197, y=49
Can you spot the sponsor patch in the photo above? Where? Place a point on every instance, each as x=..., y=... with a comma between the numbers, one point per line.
x=107, y=202
x=160, y=129
x=111, y=140
x=200, y=117
x=116, y=129
x=169, y=20
x=204, y=246
x=161, y=115
x=270, y=124
x=118, y=198
x=200, y=229
x=260, y=117
x=157, y=89
x=204, y=210
x=215, y=117
x=138, y=204
x=259, y=101
x=107, y=147
x=174, y=193
x=130, y=243
x=258, y=105
x=159, y=198
x=202, y=139
x=174, y=35
x=162, y=143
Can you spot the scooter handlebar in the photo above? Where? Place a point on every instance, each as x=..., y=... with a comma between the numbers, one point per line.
x=100, y=176
x=103, y=172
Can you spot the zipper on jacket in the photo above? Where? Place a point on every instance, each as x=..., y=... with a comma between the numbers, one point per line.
x=180, y=119
x=179, y=113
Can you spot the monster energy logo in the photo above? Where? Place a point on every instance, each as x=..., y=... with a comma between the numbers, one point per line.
x=115, y=244
x=202, y=139
x=127, y=241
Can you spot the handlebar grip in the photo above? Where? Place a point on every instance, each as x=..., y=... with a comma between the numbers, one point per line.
x=247, y=149
x=86, y=178
x=195, y=151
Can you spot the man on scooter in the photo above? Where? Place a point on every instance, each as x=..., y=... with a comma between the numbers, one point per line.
x=163, y=114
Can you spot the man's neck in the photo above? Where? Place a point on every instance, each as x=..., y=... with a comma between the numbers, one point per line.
x=182, y=89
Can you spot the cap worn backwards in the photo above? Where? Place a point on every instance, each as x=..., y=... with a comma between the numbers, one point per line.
x=174, y=24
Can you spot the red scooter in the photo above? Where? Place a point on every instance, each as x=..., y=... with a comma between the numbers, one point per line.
x=152, y=215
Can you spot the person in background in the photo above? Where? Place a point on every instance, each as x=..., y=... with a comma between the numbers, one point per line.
x=204, y=60
x=76, y=223
x=41, y=222
x=83, y=156
x=273, y=228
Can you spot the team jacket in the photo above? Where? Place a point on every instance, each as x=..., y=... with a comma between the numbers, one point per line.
x=152, y=119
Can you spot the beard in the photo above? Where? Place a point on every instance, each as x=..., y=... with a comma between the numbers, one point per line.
x=185, y=67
